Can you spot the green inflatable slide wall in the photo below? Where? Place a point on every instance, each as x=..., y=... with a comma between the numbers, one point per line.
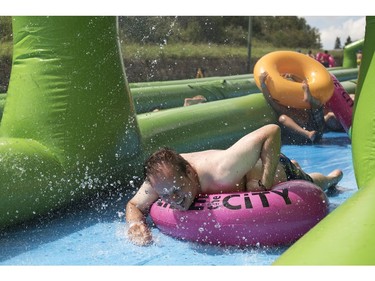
x=347, y=235
x=69, y=128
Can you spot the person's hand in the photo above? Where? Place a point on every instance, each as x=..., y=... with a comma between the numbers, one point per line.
x=262, y=77
x=306, y=91
x=305, y=85
x=139, y=234
x=308, y=97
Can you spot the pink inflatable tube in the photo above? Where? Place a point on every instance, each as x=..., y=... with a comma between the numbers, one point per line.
x=277, y=217
x=341, y=105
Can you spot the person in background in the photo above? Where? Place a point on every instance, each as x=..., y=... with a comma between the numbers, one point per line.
x=310, y=54
x=200, y=73
x=298, y=126
x=324, y=58
x=359, y=57
x=318, y=56
x=194, y=100
x=331, y=61
x=253, y=163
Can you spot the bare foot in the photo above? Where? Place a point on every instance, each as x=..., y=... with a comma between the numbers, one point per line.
x=312, y=135
x=334, y=177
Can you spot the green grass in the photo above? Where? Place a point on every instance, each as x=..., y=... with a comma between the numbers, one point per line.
x=179, y=51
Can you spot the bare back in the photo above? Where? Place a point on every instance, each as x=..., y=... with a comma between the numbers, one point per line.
x=213, y=179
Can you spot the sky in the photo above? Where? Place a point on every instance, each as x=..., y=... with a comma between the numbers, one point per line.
x=331, y=27
x=330, y=18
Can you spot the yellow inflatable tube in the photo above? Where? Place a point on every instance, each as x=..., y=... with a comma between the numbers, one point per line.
x=288, y=92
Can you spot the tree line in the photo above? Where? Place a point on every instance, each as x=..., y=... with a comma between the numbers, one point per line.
x=279, y=31
x=338, y=42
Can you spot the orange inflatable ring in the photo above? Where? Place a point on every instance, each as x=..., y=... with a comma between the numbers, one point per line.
x=288, y=92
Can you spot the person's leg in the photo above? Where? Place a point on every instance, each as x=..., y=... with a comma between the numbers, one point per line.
x=332, y=123
x=289, y=123
x=325, y=182
x=294, y=171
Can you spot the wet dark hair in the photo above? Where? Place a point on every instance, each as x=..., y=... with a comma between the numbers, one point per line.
x=167, y=156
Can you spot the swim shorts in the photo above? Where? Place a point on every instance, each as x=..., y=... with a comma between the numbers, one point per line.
x=317, y=121
x=291, y=171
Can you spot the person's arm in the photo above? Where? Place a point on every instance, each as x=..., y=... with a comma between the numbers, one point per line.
x=308, y=97
x=263, y=143
x=266, y=93
x=136, y=212
x=270, y=154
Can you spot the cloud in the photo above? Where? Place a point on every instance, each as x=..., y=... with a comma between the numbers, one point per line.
x=353, y=27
